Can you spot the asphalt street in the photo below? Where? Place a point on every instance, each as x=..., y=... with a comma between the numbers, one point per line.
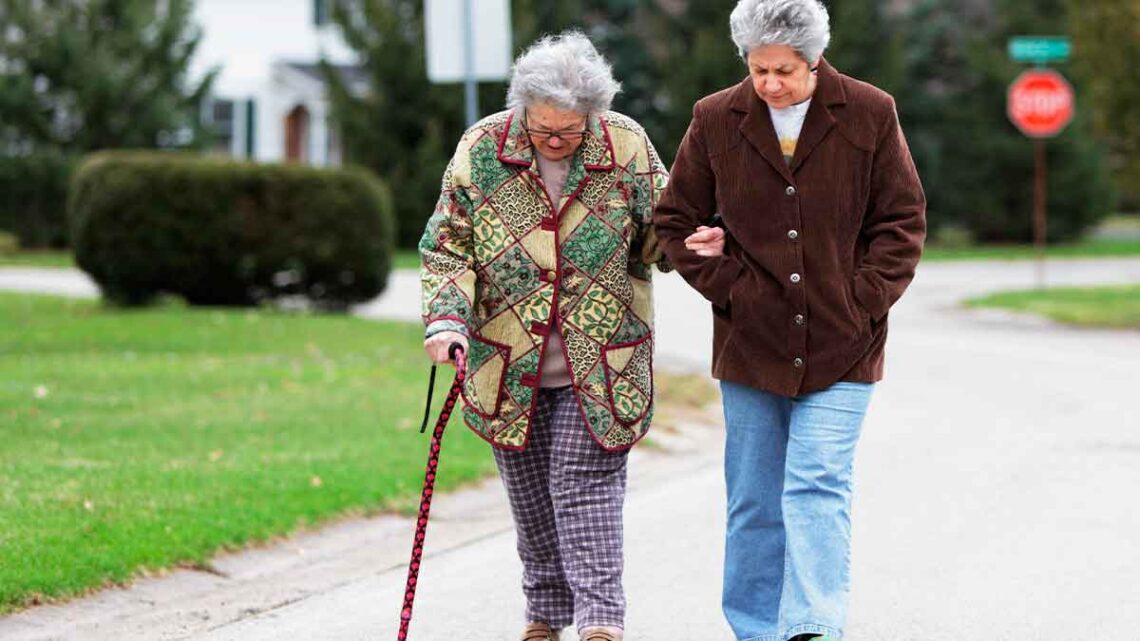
x=997, y=483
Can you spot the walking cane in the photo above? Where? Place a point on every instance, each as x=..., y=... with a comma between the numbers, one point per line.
x=455, y=352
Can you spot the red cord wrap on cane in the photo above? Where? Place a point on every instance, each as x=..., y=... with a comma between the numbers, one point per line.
x=460, y=359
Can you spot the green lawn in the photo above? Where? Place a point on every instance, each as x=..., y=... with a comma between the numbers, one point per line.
x=133, y=440
x=406, y=259
x=37, y=259
x=1092, y=248
x=1094, y=306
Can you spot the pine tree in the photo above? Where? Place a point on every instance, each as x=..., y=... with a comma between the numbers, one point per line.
x=977, y=168
x=403, y=127
x=1106, y=44
x=79, y=75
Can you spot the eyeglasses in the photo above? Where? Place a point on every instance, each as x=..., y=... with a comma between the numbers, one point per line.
x=565, y=135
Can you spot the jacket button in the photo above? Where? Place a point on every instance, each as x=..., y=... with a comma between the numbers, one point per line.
x=795, y=278
x=551, y=276
x=799, y=362
x=793, y=234
x=789, y=190
x=798, y=319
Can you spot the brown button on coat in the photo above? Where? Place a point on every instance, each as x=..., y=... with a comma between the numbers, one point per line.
x=818, y=250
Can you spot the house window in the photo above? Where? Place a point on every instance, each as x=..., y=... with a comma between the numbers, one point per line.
x=251, y=129
x=222, y=122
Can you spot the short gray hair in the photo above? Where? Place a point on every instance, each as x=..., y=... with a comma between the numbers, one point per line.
x=802, y=25
x=565, y=71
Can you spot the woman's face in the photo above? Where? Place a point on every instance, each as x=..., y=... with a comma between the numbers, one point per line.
x=555, y=133
x=780, y=76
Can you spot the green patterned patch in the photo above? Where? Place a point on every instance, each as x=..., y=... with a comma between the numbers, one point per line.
x=629, y=402
x=576, y=174
x=591, y=245
x=597, y=314
x=595, y=383
x=631, y=329
x=478, y=352
x=598, y=415
x=522, y=394
x=617, y=209
x=514, y=273
x=536, y=308
x=487, y=172
x=474, y=420
x=513, y=435
x=490, y=235
x=452, y=302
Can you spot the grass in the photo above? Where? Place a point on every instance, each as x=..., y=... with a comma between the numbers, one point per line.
x=132, y=441
x=1117, y=307
x=406, y=259
x=44, y=258
x=1091, y=248
x=138, y=440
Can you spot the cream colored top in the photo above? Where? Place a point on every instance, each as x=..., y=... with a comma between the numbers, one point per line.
x=554, y=371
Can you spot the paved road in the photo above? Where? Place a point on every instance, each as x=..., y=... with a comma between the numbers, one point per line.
x=996, y=499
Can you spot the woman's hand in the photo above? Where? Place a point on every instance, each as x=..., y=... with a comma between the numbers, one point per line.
x=438, y=345
x=706, y=241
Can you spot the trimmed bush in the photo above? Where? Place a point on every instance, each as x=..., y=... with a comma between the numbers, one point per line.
x=222, y=232
x=33, y=198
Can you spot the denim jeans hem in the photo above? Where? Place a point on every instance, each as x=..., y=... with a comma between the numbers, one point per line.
x=833, y=634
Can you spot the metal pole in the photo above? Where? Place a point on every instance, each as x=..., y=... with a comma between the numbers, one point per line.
x=472, y=98
x=1039, y=219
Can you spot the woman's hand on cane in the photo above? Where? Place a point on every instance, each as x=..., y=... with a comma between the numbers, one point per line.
x=438, y=346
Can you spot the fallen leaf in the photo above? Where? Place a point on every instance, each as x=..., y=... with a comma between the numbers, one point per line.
x=216, y=455
x=316, y=481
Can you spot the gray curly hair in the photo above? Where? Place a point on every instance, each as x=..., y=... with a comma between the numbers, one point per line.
x=802, y=25
x=566, y=71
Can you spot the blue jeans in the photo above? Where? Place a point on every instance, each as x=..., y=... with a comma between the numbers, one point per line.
x=787, y=466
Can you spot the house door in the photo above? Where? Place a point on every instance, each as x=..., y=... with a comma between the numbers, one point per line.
x=297, y=135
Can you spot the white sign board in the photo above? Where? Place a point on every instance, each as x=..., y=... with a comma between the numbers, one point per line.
x=491, y=30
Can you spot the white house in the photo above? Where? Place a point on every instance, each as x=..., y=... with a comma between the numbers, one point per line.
x=269, y=101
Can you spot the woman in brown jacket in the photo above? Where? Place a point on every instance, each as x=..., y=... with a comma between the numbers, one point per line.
x=794, y=207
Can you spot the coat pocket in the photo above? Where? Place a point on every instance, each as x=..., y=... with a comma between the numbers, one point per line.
x=629, y=378
x=487, y=363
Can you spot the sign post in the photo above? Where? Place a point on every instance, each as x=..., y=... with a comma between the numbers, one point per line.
x=467, y=41
x=1041, y=104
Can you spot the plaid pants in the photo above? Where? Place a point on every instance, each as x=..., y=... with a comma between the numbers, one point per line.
x=566, y=495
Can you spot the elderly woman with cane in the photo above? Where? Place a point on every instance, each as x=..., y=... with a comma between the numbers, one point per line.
x=794, y=207
x=538, y=261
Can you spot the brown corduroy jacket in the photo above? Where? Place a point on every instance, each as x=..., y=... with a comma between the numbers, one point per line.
x=817, y=252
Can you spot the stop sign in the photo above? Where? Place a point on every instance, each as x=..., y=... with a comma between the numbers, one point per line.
x=1040, y=103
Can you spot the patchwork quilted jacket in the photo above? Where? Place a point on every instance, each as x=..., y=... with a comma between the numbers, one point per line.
x=507, y=266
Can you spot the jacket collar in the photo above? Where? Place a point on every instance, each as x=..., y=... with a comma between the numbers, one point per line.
x=596, y=152
x=757, y=126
